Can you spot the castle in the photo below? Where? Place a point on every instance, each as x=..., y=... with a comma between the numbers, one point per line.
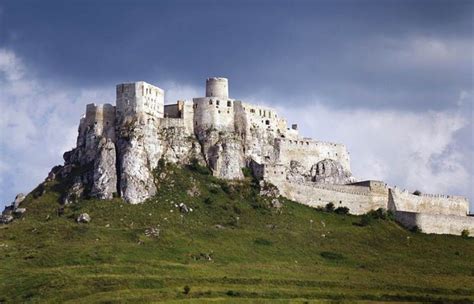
x=121, y=145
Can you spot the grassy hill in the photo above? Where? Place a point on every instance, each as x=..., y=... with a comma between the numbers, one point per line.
x=233, y=247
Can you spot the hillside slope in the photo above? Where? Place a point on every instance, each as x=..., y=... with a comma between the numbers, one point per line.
x=231, y=246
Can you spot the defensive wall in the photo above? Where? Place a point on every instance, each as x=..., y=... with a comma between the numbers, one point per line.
x=428, y=203
x=436, y=223
x=358, y=199
x=261, y=118
x=183, y=110
x=309, y=152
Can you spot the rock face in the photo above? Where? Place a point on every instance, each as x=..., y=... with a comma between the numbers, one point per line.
x=223, y=153
x=13, y=210
x=329, y=171
x=139, y=151
x=119, y=147
x=104, y=183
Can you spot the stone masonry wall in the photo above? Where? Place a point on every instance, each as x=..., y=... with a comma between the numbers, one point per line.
x=436, y=223
x=432, y=204
x=358, y=199
x=309, y=152
x=213, y=113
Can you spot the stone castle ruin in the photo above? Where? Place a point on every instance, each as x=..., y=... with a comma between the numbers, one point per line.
x=121, y=145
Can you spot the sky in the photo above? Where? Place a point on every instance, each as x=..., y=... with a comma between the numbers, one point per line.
x=393, y=80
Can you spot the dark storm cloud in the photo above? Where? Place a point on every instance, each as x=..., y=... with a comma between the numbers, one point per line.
x=397, y=54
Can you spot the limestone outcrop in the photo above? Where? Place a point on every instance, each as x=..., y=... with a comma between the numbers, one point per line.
x=329, y=171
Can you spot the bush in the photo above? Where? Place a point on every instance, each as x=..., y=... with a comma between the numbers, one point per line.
x=247, y=172
x=259, y=204
x=381, y=214
x=465, y=233
x=161, y=163
x=415, y=229
x=225, y=187
x=195, y=166
x=186, y=289
x=329, y=207
x=366, y=220
x=208, y=201
x=342, y=210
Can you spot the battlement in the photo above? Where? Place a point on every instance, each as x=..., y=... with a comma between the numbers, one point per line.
x=307, y=142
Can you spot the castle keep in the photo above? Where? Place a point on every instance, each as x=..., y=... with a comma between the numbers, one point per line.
x=121, y=145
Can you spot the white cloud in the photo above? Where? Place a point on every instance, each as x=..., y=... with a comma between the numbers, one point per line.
x=38, y=124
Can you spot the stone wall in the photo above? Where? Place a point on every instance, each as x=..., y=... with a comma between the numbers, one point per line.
x=102, y=119
x=432, y=204
x=262, y=118
x=213, y=113
x=309, y=152
x=358, y=199
x=139, y=98
x=184, y=111
x=436, y=223
x=217, y=87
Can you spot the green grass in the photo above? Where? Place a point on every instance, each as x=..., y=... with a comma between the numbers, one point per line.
x=232, y=248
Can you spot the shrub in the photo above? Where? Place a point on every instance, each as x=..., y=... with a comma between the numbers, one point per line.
x=247, y=172
x=381, y=214
x=225, y=187
x=329, y=207
x=415, y=229
x=161, y=163
x=342, y=210
x=465, y=233
x=208, y=201
x=390, y=215
x=195, y=166
x=186, y=289
x=259, y=204
x=366, y=220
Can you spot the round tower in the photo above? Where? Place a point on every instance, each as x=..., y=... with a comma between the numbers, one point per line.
x=217, y=87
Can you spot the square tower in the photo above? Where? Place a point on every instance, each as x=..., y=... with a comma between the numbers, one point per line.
x=139, y=98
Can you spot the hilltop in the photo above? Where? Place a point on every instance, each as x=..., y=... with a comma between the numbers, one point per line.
x=119, y=147
x=200, y=239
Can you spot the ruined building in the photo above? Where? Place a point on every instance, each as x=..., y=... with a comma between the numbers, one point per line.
x=121, y=145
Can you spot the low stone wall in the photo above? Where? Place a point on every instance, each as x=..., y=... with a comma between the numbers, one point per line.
x=436, y=223
x=358, y=199
x=432, y=204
